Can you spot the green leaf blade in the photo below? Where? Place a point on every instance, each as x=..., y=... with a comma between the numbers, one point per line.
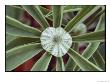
x=92, y=47
x=60, y=64
x=57, y=15
x=83, y=63
x=98, y=36
x=14, y=11
x=36, y=13
x=42, y=63
x=99, y=60
x=21, y=41
x=44, y=10
x=20, y=54
x=81, y=16
x=17, y=28
x=70, y=63
x=9, y=38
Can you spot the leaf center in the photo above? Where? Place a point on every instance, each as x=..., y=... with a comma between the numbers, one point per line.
x=56, y=41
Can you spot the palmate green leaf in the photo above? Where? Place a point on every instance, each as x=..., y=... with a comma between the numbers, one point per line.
x=60, y=64
x=81, y=16
x=92, y=47
x=17, y=28
x=36, y=13
x=20, y=54
x=42, y=63
x=21, y=41
x=83, y=63
x=98, y=36
x=99, y=60
x=57, y=15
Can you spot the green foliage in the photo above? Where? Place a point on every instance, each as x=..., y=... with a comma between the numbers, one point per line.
x=42, y=63
x=23, y=41
x=57, y=15
x=81, y=16
x=70, y=63
x=18, y=55
x=20, y=41
x=36, y=13
x=60, y=64
x=83, y=63
x=90, y=37
x=17, y=28
x=99, y=60
x=14, y=11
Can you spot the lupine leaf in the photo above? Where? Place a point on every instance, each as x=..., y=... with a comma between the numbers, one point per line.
x=9, y=38
x=98, y=36
x=36, y=13
x=57, y=15
x=21, y=41
x=99, y=60
x=92, y=60
x=50, y=17
x=44, y=10
x=20, y=54
x=71, y=10
x=17, y=28
x=76, y=68
x=42, y=63
x=70, y=63
x=89, y=51
x=102, y=49
x=14, y=11
x=65, y=10
x=94, y=17
x=92, y=47
x=60, y=64
x=73, y=54
x=101, y=23
x=81, y=16
x=83, y=63
x=67, y=7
